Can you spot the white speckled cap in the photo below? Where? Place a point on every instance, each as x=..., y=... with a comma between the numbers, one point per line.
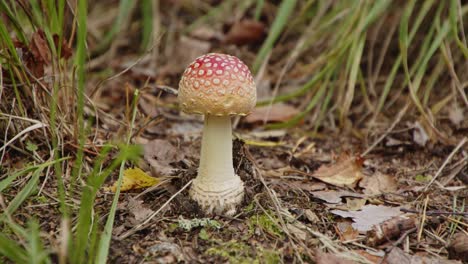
x=217, y=84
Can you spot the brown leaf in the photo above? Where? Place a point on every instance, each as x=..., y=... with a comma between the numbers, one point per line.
x=275, y=113
x=372, y=258
x=378, y=183
x=346, y=231
x=334, y=197
x=160, y=154
x=345, y=172
x=39, y=47
x=369, y=216
x=328, y=258
x=354, y=204
x=398, y=256
x=458, y=247
x=65, y=51
x=245, y=32
x=138, y=210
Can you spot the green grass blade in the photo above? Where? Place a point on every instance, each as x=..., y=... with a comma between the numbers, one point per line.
x=104, y=243
x=30, y=187
x=80, y=59
x=10, y=249
x=285, y=10
x=355, y=58
x=36, y=251
x=125, y=7
x=147, y=23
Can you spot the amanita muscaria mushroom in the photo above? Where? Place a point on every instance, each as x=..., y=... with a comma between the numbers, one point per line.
x=217, y=86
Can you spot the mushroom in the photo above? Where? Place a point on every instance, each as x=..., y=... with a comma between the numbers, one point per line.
x=217, y=86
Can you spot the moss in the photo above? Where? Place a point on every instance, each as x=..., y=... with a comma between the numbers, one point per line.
x=266, y=223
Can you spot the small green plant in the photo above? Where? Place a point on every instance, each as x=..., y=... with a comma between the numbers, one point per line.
x=267, y=223
x=235, y=252
x=240, y=252
x=189, y=224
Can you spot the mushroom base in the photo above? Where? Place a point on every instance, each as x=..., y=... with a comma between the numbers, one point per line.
x=220, y=199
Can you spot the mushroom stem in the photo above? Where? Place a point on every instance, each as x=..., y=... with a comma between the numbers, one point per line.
x=217, y=188
x=216, y=150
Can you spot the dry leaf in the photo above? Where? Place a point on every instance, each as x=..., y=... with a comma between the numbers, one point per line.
x=334, y=197
x=346, y=231
x=245, y=32
x=134, y=179
x=398, y=256
x=329, y=258
x=275, y=113
x=378, y=183
x=369, y=216
x=354, y=204
x=39, y=47
x=160, y=154
x=138, y=210
x=371, y=257
x=65, y=51
x=345, y=172
x=458, y=247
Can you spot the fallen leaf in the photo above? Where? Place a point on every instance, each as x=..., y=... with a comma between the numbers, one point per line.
x=378, y=183
x=369, y=216
x=329, y=258
x=160, y=154
x=139, y=211
x=371, y=257
x=458, y=247
x=65, y=51
x=346, y=231
x=275, y=113
x=245, y=32
x=39, y=47
x=354, y=204
x=398, y=256
x=134, y=179
x=334, y=197
x=345, y=172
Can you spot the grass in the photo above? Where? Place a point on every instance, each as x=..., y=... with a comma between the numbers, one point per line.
x=341, y=67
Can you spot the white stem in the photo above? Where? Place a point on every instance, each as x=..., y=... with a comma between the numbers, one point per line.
x=216, y=152
x=217, y=189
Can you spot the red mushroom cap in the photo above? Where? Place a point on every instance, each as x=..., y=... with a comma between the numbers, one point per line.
x=217, y=84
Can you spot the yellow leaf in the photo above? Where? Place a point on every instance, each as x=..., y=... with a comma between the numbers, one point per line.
x=135, y=179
